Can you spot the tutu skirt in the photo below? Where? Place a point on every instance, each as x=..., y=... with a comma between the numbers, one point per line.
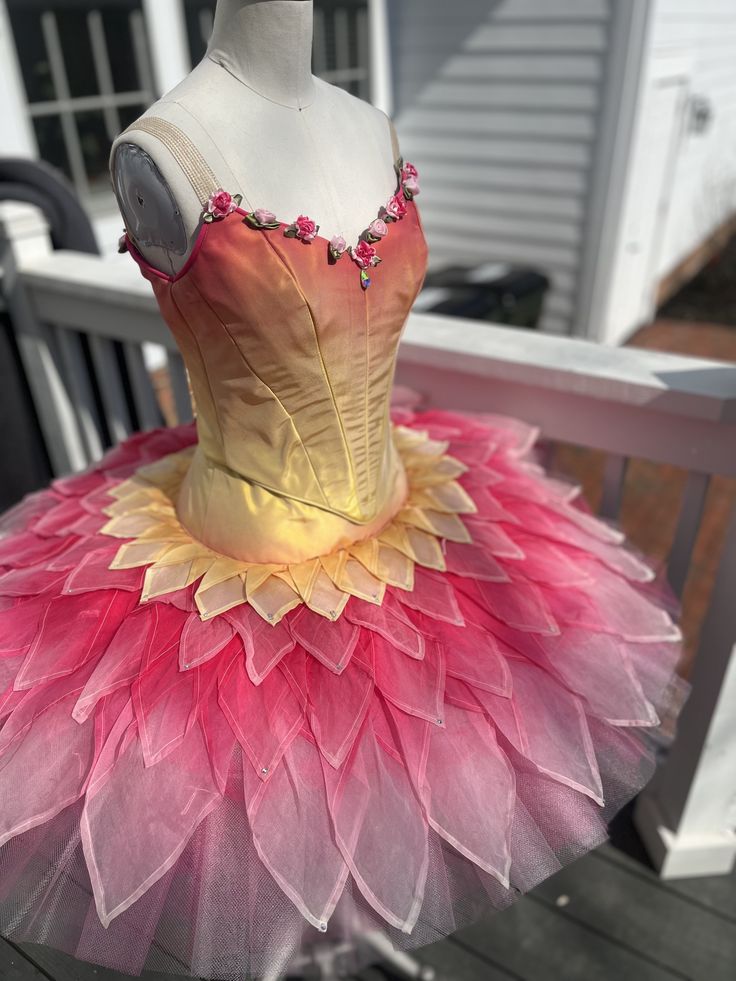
x=215, y=797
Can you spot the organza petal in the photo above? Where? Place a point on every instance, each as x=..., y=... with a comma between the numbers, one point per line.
x=32, y=704
x=433, y=595
x=472, y=655
x=202, y=640
x=521, y=605
x=473, y=562
x=73, y=630
x=548, y=727
x=265, y=718
x=331, y=642
x=337, y=707
x=470, y=794
x=94, y=570
x=121, y=661
x=19, y=625
x=138, y=822
x=596, y=667
x=381, y=830
x=44, y=770
x=264, y=644
x=165, y=699
x=27, y=549
x=415, y=687
x=29, y=582
x=291, y=808
x=390, y=621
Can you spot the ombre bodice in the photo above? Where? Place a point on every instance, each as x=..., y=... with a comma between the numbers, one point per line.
x=291, y=365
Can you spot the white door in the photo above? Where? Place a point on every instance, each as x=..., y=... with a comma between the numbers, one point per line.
x=633, y=280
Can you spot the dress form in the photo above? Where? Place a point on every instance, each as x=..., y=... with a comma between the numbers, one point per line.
x=268, y=129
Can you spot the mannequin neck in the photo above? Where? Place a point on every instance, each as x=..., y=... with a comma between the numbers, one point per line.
x=266, y=45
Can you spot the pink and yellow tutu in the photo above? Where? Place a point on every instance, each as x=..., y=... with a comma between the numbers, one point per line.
x=315, y=665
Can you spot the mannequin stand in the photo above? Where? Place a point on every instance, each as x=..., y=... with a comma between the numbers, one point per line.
x=326, y=961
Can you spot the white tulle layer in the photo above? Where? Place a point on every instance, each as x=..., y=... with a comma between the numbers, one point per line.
x=214, y=798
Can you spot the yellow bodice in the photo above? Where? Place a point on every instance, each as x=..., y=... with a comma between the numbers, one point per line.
x=291, y=364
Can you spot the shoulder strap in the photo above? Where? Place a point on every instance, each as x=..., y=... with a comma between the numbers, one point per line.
x=193, y=165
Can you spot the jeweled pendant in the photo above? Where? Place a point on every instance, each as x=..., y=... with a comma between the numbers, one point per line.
x=365, y=279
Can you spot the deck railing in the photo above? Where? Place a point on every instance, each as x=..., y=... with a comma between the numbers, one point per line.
x=625, y=402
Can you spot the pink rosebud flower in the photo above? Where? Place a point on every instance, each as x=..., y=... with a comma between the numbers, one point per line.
x=364, y=254
x=411, y=184
x=408, y=170
x=378, y=227
x=264, y=217
x=337, y=244
x=220, y=203
x=306, y=229
x=395, y=207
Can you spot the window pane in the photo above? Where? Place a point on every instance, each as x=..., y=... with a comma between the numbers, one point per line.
x=129, y=114
x=95, y=148
x=26, y=24
x=338, y=23
x=120, y=47
x=51, y=145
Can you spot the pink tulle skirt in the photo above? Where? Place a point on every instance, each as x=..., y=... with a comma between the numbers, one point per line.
x=216, y=798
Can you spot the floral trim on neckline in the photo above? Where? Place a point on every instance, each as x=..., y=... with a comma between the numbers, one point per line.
x=364, y=253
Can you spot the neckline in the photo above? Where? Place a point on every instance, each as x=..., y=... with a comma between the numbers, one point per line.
x=399, y=164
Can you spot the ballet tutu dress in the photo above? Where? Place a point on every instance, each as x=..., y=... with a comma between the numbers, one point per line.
x=314, y=665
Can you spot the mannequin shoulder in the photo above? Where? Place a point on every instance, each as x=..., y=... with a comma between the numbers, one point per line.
x=374, y=121
x=156, y=198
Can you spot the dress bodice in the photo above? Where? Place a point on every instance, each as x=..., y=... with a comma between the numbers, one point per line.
x=291, y=360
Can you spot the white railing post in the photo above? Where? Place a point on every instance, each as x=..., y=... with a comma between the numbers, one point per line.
x=23, y=237
x=687, y=815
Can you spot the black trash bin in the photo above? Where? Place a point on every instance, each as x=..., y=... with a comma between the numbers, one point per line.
x=493, y=291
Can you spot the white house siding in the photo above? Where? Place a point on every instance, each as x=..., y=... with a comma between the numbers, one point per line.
x=703, y=193
x=499, y=105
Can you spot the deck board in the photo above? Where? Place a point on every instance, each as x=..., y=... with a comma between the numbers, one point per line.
x=14, y=966
x=633, y=911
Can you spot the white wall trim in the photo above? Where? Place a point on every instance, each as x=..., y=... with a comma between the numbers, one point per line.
x=167, y=36
x=19, y=139
x=624, y=84
x=379, y=54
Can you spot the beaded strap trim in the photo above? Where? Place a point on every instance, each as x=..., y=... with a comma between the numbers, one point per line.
x=193, y=165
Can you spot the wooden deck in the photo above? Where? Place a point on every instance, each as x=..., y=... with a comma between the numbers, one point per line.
x=606, y=917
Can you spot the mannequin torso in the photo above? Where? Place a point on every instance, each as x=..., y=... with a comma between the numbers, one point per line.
x=266, y=128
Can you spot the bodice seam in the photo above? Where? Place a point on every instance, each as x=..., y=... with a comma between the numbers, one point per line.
x=276, y=399
x=312, y=321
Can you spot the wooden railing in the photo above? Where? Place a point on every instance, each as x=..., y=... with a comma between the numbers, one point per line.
x=626, y=402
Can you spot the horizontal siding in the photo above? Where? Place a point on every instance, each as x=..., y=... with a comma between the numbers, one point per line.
x=493, y=93
x=574, y=10
x=546, y=36
x=528, y=177
x=703, y=194
x=498, y=105
x=550, y=125
x=523, y=67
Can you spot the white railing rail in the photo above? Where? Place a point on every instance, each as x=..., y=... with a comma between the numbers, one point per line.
x=626, y=402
